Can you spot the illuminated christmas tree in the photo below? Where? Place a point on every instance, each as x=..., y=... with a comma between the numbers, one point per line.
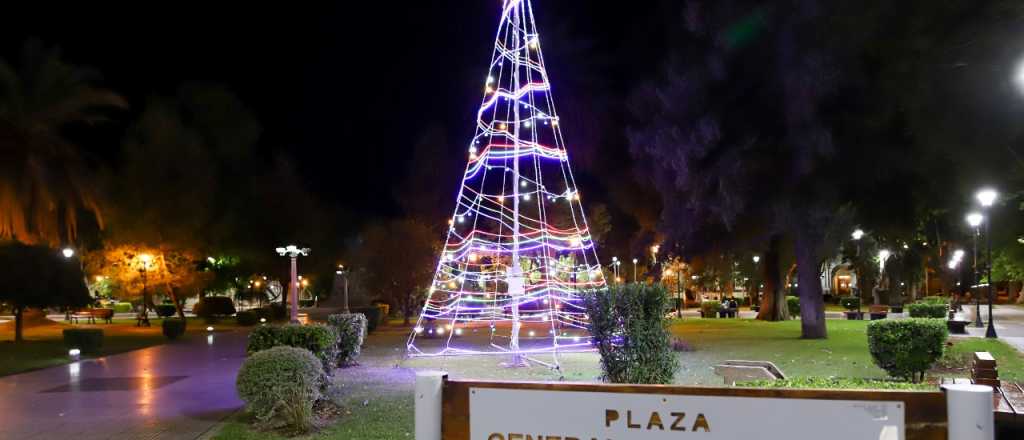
x=518, y=253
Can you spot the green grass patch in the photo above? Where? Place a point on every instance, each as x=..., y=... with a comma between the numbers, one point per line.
x=839, y=383
x=959, y=356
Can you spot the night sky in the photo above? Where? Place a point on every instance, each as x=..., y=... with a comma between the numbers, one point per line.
x=346, y=90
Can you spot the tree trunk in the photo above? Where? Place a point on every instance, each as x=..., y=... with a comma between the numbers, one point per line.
x=178, y=305
x=773, y=302
x=19, y=324
x=812, y=301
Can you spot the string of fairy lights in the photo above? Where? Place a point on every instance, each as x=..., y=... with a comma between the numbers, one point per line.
x=518, y=249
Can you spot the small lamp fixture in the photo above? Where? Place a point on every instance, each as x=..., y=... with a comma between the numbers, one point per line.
x=974, y=219
x=986, y=196
x=209, y=329
x=68, y=252
x=74, y=353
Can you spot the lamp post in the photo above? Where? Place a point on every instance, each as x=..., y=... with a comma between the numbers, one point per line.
x=753, y=281
x=857, y=235
x=986, y=197
x=293, y=252
x=344, y=292
x=974, y=219
x=147, y=261
x=634, y=270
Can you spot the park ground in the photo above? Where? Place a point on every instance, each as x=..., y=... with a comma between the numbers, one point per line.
x=376, y=396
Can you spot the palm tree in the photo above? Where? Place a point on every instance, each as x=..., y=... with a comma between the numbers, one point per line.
x=44, y=178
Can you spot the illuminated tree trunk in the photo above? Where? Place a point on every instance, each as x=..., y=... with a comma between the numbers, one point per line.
x=773, y=302
x=812, y=302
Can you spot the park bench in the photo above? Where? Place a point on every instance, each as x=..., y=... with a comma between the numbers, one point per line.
x=957, y=326
x=90, y=315
x=742, y=371
x=878, y=311
x=142, y=318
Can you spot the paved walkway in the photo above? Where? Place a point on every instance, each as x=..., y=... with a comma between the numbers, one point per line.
x=172, y=391
x=1009, y=323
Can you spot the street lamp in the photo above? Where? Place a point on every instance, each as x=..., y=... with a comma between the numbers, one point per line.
x=634, y=270
x=147, y=261
x=975, y=219
x=293, y=252
x=857, y=234
x=987, y=197
x=68, y=252
x=344, y=278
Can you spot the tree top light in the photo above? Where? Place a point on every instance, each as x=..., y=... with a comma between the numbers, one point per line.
x=986, y=196
x=857, y=234
x=974, y=219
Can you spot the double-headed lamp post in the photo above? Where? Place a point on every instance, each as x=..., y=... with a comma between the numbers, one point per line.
x=987, y=197
x=975, y=219
x=293, y=252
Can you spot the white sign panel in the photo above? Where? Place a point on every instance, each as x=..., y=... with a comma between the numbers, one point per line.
x=507, y=414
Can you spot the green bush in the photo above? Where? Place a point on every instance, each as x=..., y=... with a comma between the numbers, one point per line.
x=319, y=339
x=934, y=300
x=276, y=312
x=710, y=308
x=173, y=327
x=851, y=303
x=214, y=306
x=793, y=304
x=123, y=307
x=280, y=385
x=628, y=326
x=373, y=314
x=247, y=318
x=88, y=340
x=165, y=310
x=351, y=330
x=926, y=310
x=906, y=348
x=838, y=383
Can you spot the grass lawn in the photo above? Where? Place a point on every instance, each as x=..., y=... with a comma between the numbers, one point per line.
x=377, y=395
x=44, y=345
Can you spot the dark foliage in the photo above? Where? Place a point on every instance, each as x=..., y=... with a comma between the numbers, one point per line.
x=88, y=340
x=173, y=328
x=906, y=348
x=321, y=340
x=628, y=325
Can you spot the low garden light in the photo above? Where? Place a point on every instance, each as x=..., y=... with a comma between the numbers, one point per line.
x=74, y=353
x=209, y=329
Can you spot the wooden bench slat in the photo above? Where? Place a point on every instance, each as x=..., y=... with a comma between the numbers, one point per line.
x=1014, y=396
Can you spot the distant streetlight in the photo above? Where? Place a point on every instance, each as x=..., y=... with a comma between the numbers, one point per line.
x=68, y=252
x=293, y=252
x=757, y=259
x=654, y=253
x=857, y=234
x=987, y=197
x=344, y=293
x=634, y=269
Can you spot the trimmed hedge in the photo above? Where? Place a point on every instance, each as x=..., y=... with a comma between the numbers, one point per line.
x=851, y=303
x=373, y=314
x=165, y=310
x=926, y=310
x=123, y=307
x=173, y=327
x=793, y=304
x=840, y=383
x=319, y=339
x=280, y=385
x=935, y=300
x=247, y=318
x=906, y=348
x=351, y=330
x=214, y=306
x=710, y=308
x=629, y=328
x=88, y=340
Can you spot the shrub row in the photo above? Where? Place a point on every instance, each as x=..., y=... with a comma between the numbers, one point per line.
x=165, y=310
x=793, y=304
x=838, y=383
x=319, y=339
x=173, y=328
x=88, y=340
x=710, y=308
x=374, y=316
x=850, y=303
x=247, y=317
x=928, y=310
x=214, y=306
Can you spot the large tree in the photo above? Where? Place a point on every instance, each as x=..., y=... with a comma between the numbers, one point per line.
x=39, y=277
x=45, y=181
x=398, y=258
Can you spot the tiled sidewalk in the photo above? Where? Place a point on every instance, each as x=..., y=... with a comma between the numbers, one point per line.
x=173, y=391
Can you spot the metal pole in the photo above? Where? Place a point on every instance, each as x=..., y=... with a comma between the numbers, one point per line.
x=293, y=291
x=974, y=281
x=991, y=331
x=344, y=275
x=679, y=289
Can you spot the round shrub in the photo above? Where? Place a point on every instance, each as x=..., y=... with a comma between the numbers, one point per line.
x=214, y=306
x=850, y=303
x=351, y=330
x=247, y=318
x=926, y=310
x=906, y=348
x=88, y=340
x=279, y=386
x=319, y=339
x=793, y=304
x=710, y=308
x=173, y=327
x=374, y=316
x=165, y=310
